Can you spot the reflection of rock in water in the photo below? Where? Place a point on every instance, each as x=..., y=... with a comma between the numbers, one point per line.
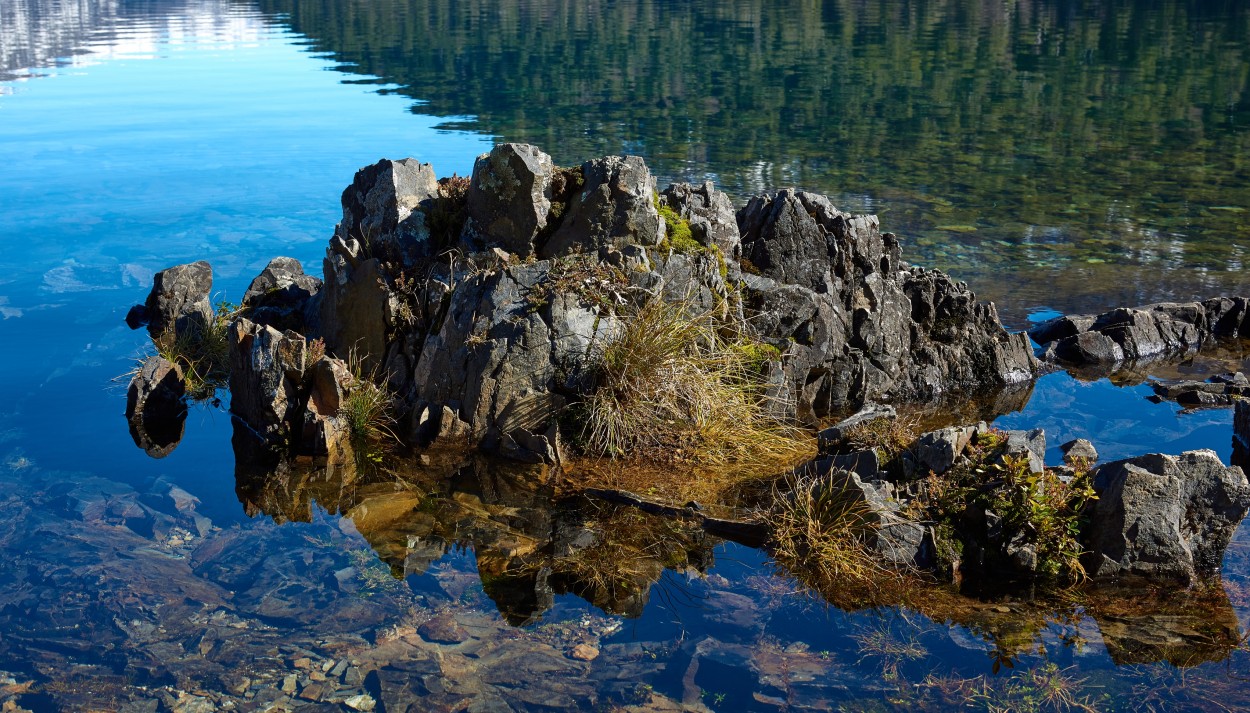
x=154, y=407
x=1183, y=628
x=528, y=544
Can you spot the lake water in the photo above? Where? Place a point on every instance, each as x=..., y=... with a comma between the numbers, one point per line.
x=1057, y=157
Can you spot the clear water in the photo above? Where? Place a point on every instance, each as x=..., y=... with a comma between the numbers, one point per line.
x=1058, y=158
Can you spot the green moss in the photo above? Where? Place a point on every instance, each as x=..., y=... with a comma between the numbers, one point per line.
x=678, y=238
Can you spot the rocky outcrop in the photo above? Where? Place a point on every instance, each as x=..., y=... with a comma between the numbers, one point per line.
x=1125, y=336
x=855, y=322
x=508, y=200
x=266, y=370
x=386, y=211
x=1165, y=517
x=179, y=301
x=1216, y=391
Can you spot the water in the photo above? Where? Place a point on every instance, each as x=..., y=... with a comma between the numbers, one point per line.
x=1057, y=157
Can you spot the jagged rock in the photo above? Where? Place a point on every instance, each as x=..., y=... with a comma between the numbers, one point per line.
x=1079, y=449
x=501, y=358
x=509, y=198
x=710, y=214
x=282, y=296
x=833, y=294
x=1163, y=330
x=154, y=406
x=1164, y=517
x=266, y=369
x=616, y=207
x=383, y=210
x=1030, y=445
x=179, y=300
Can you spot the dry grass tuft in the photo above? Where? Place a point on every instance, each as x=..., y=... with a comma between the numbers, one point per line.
x=669, y=384
x=367, y=408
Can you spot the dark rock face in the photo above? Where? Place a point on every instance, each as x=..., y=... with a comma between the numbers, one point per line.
x=179, y=301
x=383, y=210
x=854, y=323
x=1165, y=517
x=282, y=296
x=357, y=307
x=1135, y=335
x=509, y=199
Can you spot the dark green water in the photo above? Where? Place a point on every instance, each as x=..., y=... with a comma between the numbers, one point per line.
x=1057, y=155
x=1102, y=149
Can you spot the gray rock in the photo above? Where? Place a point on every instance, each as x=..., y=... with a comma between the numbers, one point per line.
x=383, y=211
x=1028, y=444
x=616, y=207
x=1164, y=517
x=179, y=300
x=937, y=451
x=509, y=198
x=1079, y=449
x=897, y=539
x=281, y=296
x=834, y=438
x=323, y=431
x=710, y=214
x=266, y=369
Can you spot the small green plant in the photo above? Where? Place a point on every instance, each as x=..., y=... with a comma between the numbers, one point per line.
x=203, y=352
x=366, y=408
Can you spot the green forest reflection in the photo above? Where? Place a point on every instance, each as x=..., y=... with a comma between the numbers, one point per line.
x=1067, y=154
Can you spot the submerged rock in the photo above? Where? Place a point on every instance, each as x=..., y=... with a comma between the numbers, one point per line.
x=1164, y=517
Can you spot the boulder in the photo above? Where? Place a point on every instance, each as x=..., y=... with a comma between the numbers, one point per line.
x=281, y=296
x=323, y=431
x=615, y=208
x=938, y=450
x=1030, y=445
x=266, y=369
x=384, y=209
x=834, y=439
x=1079, y=450
x=509, y=198
x=179, y=301
x=1164, y=517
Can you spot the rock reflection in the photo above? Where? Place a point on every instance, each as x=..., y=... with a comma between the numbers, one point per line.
x=530, y=543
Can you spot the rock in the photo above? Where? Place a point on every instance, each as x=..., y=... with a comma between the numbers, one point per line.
x=1030, y=445
x=895, y=538
x=856, y=325
x=710, y=214
x=281, y=296
x=584, y=652
x=1164, y=517
x=179, y=300
x=154, y=406
x=384, y=211
x=509, y=198
x=1079, y=451
x=834, y=439
x=356, y=309
x=266, y=369
x=1241, y=434
x=323, y=431
x=937, y=451
x=1135, y=335
x=443, y=629
x=615, y=208
x=360, y=702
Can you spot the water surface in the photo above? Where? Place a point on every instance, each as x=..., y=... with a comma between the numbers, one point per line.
x=1056, y=156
